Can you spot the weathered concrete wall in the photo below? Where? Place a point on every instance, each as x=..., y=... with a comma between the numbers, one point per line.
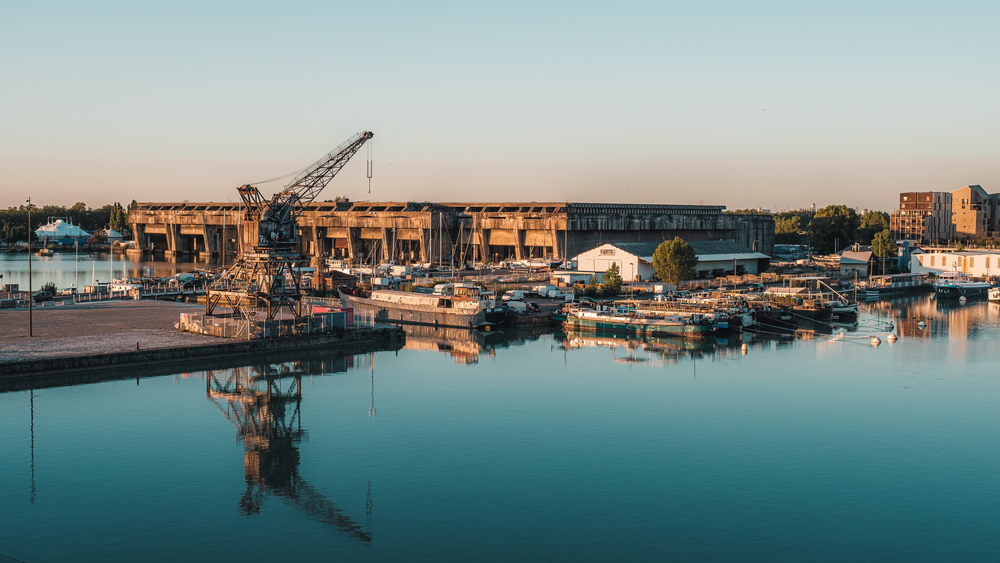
x=412, y=232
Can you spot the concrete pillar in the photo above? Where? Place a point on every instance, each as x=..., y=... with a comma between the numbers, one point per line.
x=135, y=252
x=487, y=254
x=173, y=241
x=386, y=251
x=350, y=244
x=208, y=235
x=423, y=245
x=519, y=250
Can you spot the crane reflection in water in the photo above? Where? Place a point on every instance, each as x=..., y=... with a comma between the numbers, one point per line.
x=263, y=403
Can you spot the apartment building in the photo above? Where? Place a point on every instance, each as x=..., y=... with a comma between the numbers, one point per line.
x=970, y=212
x=923, y=217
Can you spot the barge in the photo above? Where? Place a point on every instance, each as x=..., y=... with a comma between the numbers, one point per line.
x=390, y=306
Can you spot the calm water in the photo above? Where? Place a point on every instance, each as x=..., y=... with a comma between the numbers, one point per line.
x=69, y=270
x=548, y=447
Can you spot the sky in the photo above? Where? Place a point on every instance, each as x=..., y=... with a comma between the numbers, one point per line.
x=776, y=105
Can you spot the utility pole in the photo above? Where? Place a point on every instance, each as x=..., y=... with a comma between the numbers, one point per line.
x=30, y=324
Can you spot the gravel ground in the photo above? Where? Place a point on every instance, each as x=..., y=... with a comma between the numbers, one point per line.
x=95, y=328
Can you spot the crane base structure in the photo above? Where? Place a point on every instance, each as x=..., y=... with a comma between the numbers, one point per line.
x=265, y=274
x=259, y=279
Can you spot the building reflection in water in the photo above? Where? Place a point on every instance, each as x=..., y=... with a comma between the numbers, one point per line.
x=949, y=318
x=263, y=403
x=644, y=349
x=464, y=345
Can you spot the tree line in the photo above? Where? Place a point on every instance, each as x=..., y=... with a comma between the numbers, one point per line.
x=14, y=220
x=830, y=229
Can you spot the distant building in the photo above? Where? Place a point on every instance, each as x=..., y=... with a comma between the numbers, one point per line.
x=970, y=212
x=858, y=262
x=111, y=235
x=923, y=217
x=977, y=264
x=635, y=259
x=61, y=230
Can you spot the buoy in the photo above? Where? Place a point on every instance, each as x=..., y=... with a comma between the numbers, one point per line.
x=744, y=348
x=921, y=325
x=876, y=341
x=889, y=326
x=891, y=338
x=962, y=299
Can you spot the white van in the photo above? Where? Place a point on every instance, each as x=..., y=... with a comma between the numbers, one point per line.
x=543, y=290
x=513, y=295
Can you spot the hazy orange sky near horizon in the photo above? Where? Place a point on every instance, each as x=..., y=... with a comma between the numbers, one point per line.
x=774, y=105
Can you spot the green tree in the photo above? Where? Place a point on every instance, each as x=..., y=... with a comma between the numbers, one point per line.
x=612, y=280
x=593, y=288
x=872, y=223
x=50, y=287
x=832, y=226
x=675, y=261
x=747, y=212
x=883, y=246
x=100, y=237
x=787, y=230
x=117, y=219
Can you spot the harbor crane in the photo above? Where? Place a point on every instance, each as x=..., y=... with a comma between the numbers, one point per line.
x=265, y=269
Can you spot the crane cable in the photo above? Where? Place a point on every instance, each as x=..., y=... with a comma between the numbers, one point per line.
x=368, y=166
x=279, y=177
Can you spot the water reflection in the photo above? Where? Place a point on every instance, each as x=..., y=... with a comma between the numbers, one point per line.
x=67, y=270
x=926, y=317
x=464, y=345
x=263, y=404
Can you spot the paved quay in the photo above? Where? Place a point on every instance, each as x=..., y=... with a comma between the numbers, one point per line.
x=95, y=328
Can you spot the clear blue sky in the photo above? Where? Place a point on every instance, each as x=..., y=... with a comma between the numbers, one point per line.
x=771, y=104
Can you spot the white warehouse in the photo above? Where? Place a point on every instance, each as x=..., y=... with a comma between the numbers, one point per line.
x=978, y=263
x=635, y=259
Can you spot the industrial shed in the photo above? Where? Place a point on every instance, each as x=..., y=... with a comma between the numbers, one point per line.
x=635, y=259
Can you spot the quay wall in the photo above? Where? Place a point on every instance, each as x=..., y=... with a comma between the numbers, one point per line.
x=185, y=356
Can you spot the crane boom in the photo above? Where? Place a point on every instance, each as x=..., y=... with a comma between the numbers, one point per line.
x=276, y=221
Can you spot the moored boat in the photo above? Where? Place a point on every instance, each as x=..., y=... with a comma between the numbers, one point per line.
x=631, y=322
x=405, y=307
x=956, y=285
x=895, y=284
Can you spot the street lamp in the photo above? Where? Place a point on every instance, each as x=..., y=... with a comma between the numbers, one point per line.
x=30, y=324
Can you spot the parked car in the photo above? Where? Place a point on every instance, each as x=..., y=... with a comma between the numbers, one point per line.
x=42, y=296
x=517, y=306
x=533, y=307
